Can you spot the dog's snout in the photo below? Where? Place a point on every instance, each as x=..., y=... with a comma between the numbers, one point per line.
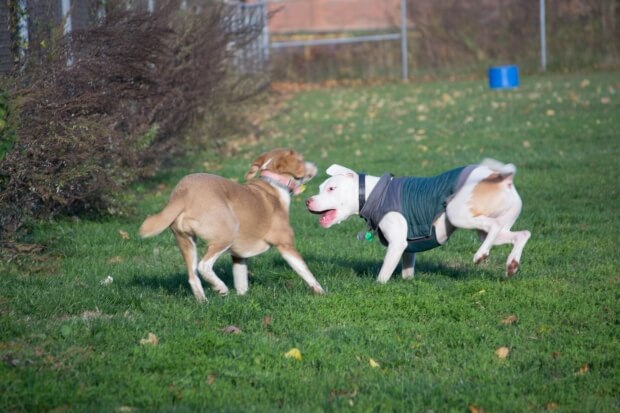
x=308, y=201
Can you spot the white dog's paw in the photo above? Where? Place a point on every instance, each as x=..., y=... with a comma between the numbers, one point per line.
x=408, y=274
x=480, y=257
x=221, y=290
x=317, y=289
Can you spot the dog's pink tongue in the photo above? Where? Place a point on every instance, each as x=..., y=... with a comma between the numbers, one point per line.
x=327, y=217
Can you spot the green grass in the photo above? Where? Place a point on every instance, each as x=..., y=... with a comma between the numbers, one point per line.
x=68, y=343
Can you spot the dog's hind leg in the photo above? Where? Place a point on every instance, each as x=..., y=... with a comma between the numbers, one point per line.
x=187, y=245
x=518, y=239
x=240, y=274
x=408, y=270
x=205, y=266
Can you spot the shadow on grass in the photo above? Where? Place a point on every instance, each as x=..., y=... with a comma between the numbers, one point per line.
x=174, y=283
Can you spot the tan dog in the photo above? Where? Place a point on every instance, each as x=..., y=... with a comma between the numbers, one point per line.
x=245, y=219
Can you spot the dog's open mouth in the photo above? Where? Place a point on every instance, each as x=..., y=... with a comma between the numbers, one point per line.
x=327, y=217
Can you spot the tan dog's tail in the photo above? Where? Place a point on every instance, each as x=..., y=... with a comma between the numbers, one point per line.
x=155, y=224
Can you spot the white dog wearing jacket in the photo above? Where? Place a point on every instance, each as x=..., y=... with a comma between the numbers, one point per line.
x=416, y=214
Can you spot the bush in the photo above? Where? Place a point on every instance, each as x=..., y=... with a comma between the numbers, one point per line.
x=136, y=84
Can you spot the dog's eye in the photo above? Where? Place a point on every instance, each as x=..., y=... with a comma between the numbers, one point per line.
x=331, y=188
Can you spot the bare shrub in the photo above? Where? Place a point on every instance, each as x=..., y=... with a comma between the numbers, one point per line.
x=111, y=102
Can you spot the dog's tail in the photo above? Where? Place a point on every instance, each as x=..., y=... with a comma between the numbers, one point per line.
x=155, y=224
x=504, y=169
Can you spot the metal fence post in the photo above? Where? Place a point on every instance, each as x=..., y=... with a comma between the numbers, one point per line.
x=68, y=25
x=403, y=39
x=543, y=39
x=265, y=31
x=24, y=33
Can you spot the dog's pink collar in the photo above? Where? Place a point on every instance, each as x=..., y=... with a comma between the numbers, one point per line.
x=289, y=183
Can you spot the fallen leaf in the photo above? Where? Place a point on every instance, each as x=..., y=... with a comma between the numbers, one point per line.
x=551, y=406
x=502, y=352
x=267, y=321
x=475, y=409
x=123, y=234
x=555, y=354
x=107, y=280
x=527, y=144
x=151, y=339
x=211, y=378
x=231, y=330
x=115, y=260
x=373, y=363
x=511, y=319
x=550, y=112
x=605, y=100
x=543, y=328
x=584, y=83
x=583, y=370
x=293, y=353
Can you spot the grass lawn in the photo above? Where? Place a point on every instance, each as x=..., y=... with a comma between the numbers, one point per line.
x=70, y=343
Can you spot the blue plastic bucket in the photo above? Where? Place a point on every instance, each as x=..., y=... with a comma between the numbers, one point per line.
x=503, y=77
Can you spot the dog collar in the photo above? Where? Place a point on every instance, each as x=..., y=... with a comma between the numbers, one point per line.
x=291, y=184
x=362, y=191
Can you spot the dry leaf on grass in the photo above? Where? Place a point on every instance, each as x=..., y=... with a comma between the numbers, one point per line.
x=502, y=352
x=267, y=321
x=107, y=280
x=583, y=369
x=475, y=409
x=231, y=330
x=151, y=339
x=211, y=378
x=123, y=234
x=511, y=319
x=373, y=363
x=551, y=406
x=293, y=353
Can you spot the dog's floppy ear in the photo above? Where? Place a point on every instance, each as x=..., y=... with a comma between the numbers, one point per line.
x=259, y=164
x=336, y=169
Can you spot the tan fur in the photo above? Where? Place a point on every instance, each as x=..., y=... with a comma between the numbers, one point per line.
x=488, y=196
x=245, y=219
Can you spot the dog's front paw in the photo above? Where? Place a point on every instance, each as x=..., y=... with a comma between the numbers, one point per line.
x=478, y=258
x=408, y=274
x=317, y=289
x=221, y=290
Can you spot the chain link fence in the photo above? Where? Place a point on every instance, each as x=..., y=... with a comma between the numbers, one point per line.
x=445, y=38
x=448, y=38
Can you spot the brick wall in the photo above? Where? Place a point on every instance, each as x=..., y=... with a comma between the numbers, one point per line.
x=333, y=15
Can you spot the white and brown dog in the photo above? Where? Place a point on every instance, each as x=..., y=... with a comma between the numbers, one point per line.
x=245, y=219
x=416, y=214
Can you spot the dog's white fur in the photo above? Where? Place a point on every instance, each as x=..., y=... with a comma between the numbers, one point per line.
x=487, y=202
x=244, y=219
